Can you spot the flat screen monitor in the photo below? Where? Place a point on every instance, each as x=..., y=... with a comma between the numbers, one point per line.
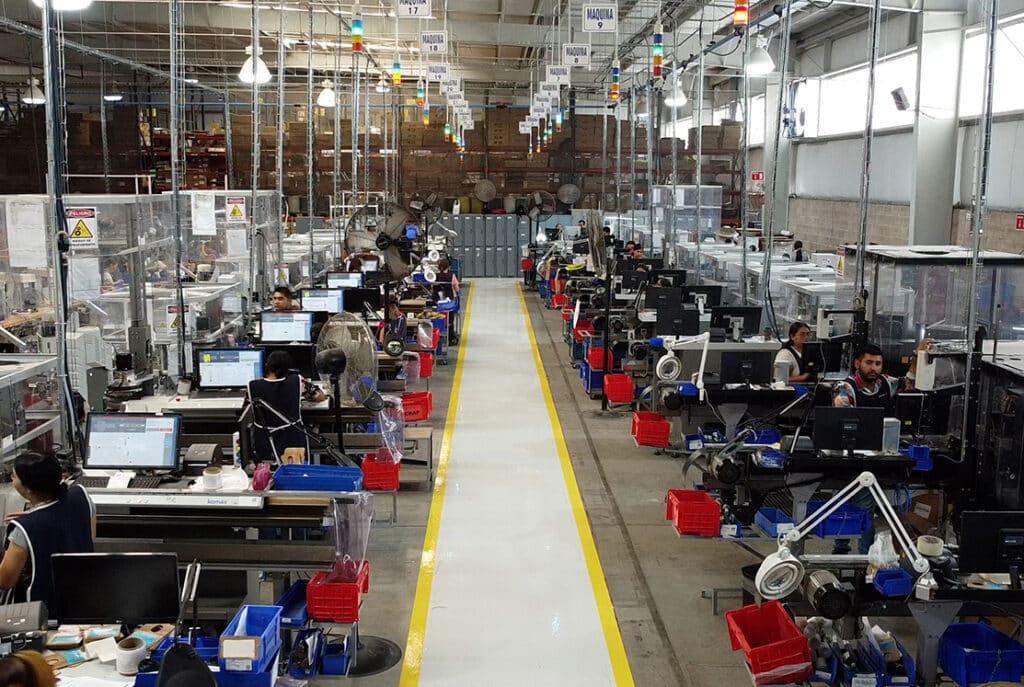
x=674, y=277
x=910, y=411
x=712, y=295
x=356, y=300
x=322, y=300
x=652, y=263
x=344, y=280
x=625, y=265
x=746, y=367
x=683, y=320
x=722, y=318
x=848, y=429
x=370, y=264
x=658, y=297
x=228, y=368
x=115, y=588
x=286, y=327
x=132, y=441
x=633, y=279
x=812, y=358
x=302, y=356
x=991, y=542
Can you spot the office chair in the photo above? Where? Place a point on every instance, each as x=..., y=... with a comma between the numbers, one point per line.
x=277, y=417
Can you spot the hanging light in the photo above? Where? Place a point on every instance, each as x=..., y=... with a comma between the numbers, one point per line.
x=641, y=111
x=66, y=5
x=357, y=28
x=760, y=62
x=741, y=14
x=327, y=97
x=114, y=95
x=616, y=71
x=448, y=136
x=426, y=111
x=658, y=50
x=254, y=69
x=190, y=76
x=382, y=85
x=35, y=94
x=677, y=96
x=420, y=93
x=396, y=72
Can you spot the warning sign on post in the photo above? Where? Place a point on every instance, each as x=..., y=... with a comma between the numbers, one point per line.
x=236, y=209
x=841, y=255
x=84, y=228
x=1020, y=222
x=757, y=176
x=174, y=320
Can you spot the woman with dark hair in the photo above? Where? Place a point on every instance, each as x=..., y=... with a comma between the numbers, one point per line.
x=56, y=519
x=26, y=669
x=792, y=351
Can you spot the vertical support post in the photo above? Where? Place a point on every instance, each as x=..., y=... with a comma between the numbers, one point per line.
x=310, y=142
x=869, y=137
x=174, y=10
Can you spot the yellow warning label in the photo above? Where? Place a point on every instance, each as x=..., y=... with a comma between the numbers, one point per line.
x=81, y=231
x=175, y=325
x=839, y=266
x=236, y=211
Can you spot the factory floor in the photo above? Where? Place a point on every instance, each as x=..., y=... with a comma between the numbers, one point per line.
x=654, y=578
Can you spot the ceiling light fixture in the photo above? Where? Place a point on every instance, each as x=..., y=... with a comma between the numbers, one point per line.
x=382, y=85
x=35, y=94
x=66, y=5
x=327, y=97
x=190, y=76
x=760, y=63
x=114, y=95
x=254, y=69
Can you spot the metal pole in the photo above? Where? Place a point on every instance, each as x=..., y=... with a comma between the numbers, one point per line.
x=869, y=133
x=745, y=93
x=632, y=159
x=336, y=197
x=604, y=155
x=310, y=140
x=254, y=177
x=651, y=158
x=228, y=143
x=618, y=160
x=103, y=133
x=698, y=122
x=174, y=10
x=355, y=129
x=675, y=146
x=281, y=202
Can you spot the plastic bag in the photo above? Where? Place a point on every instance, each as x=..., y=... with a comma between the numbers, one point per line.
x=411, y=369
x=391, y=421
x=353, y=515
x=882, y=555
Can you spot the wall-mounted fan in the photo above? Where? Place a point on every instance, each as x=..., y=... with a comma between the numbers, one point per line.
x=485, y=191
x=385, y=236
x=542, y=205
x=426, y=205
x=569, y=194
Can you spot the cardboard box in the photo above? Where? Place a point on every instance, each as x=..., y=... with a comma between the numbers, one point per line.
x=731, y=137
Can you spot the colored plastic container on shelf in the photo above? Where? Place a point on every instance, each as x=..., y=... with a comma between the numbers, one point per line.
x=337, y=602
x=266, y=678
x=206, y=647
x=318, y=478
x=651, y=429
x=418, y=405
x=598, y=359
x=618, y=388
x=773, y=521
x=559, y=300
x=873, y=667
x=258, y=624
x=312, y=669
x=694, y=512
x=380, y=475
x=773, y=646
x=293, y=605
x=847, y=521
x=921, y=454
x=335, y=660
x=896, y=582
x=581, y=327
x=975, y=653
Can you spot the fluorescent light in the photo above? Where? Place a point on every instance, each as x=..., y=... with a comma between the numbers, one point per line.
x=327, y=97
x=66, y=5
x=114, y=95
x=254, y=69
x=760, y=63
x=191, y=76
x=35, y=94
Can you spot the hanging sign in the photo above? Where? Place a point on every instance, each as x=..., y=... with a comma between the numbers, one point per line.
x=174, y=320
x=235, y=208
x=1020, y=222
x=600, y=18
x=576, y=55
x=84, y=228
x=468, y=124
x=413, y=9
x=525, y=128
x=434, y=42
x=549, y=89
x=463, y=111
x=437, y=72
x=450, y=87
x=757, y=176
x=533, y=120
x=559, y=74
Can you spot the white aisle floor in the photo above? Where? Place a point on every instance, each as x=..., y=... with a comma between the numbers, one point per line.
x=512, y=602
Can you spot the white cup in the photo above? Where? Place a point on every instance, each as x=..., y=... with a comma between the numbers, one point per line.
x=130, y=652
x=213, y=478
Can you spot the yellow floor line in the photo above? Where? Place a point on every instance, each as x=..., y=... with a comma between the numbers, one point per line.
x=609, y=623
x=413, y=662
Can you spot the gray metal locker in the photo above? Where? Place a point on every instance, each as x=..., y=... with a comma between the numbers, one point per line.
x=511, y=247
x=479, y=243
x=457, y=242
x=490, y=246
x=524, y=232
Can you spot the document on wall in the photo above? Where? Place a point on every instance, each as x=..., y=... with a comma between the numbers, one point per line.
x=238, y=243
x=204, y=215
x=85, y=278
x=26, y=233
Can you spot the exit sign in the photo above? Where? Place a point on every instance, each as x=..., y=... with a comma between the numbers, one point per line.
x=757, y=176
x=1020, y=222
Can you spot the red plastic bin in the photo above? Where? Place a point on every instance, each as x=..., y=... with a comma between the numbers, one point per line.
x=567, y=314
x=618, y=388
x=694, y=512
x=426, y=365
x=775, y=648
x=337, y=602
x=597, y=359
x=581, y=327
x=651, y=429
x=435, y=338
x=559, y=300
x=417, y=406
x=380, y=475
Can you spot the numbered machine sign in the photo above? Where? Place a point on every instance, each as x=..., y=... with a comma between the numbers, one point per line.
x=84, y=228
x=600, y=18
x=559, y=74
x=434, y=42
x=525, y=128
x=550, y=89
x=413, y=9
x=235, y=208
x=576, y=55
x=437, y=72
x=450, y=87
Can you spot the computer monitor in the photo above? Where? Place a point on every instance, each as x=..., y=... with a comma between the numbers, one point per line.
x=682, y=320
x=658, y=297
x=228, y=368
x=370, y=264
x=674, y=277
x=992, y=542
x=115, y=588
x=909, y=409
x=812, y=358
x=132, y=441
x=712, y=294
x=652, y=263
x=746, y=367
x=286, y=327
x=344, y=280
x=723, y=316
x=303, y=357
x=624, y=264
x=848, y=429
x=633, y=279
x=356, y=300
x=322, y=300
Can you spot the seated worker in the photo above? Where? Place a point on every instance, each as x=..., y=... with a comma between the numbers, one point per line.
x=792, y=352
x=868, y=387
x=630, y=247
x=56, y=519
x=283, y=300
x=282, y=389
x=559, y=232
x=26, y=669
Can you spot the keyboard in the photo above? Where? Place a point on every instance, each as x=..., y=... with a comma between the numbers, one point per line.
x=144, y=482
x=88, y=482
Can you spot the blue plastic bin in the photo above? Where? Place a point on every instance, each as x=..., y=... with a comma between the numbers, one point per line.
x=318, y=478
x=921, y=454
x=766, y=436
x=773, y=521
x=826, y=677
x=293, y=605
x=896, y=582
x=297, y=671
x=335, y=661
x=872, y=666
x=846, y=521
x=206, y=647
x=972, y=653
x=262, y=623
x=265, y=678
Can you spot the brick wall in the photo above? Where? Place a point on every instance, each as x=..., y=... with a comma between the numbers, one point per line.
x=1000, y=232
